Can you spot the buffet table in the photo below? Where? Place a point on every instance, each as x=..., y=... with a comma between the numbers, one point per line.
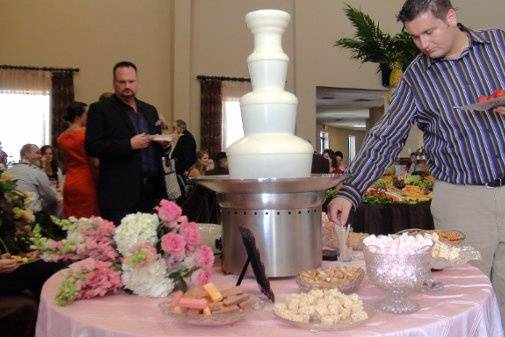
x=467, y=307
x=391, y=218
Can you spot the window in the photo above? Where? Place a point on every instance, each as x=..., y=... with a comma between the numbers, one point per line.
x=24, y=118
x=352, y=147
x=324, y=142
x=233, y=129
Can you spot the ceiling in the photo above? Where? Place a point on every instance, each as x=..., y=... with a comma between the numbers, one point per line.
x=346, y=108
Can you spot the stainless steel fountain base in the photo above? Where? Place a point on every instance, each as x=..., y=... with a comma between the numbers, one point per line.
x=283, y=214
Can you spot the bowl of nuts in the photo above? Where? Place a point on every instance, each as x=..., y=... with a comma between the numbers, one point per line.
x=345, y=279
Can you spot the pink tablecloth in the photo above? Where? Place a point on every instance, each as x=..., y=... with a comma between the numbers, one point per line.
x=467, y=307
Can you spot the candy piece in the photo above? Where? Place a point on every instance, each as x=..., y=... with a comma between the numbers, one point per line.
x=236, y=299
x=206, y=311
x=213, y=293
x=246, y=304
x=215, y=306
x=178, y=310
x=229, y=309
x=193, y=303
x=231, y=291
x=176, y=298
x=196, y=292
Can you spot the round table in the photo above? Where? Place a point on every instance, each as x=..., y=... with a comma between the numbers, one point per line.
x=467, y=306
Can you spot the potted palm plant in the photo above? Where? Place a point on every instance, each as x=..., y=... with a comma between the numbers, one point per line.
x=392, y=53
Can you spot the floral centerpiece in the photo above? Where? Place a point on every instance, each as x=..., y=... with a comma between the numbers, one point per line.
x=16, y=219
x=152, y=254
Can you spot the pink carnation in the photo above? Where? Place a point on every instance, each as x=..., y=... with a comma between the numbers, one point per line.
x=168, y=211
x=200, y=277
x=191, y=233
x=173, y=244
x=204, y=257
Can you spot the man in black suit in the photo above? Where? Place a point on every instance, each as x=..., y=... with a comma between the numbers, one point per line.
x=119, y=133
x=184, y=152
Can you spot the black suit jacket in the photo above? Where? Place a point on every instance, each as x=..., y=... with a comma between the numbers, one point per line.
x=184, y=152
x=108, y=133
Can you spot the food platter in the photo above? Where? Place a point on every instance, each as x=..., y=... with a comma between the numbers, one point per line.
x=484, y=106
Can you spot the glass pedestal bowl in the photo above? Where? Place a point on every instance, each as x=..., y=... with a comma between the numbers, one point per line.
x=397, y=275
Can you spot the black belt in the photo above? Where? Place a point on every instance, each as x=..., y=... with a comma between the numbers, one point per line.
x=496, y=183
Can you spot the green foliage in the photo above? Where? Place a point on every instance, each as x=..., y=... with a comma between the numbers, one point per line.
x=371, y=44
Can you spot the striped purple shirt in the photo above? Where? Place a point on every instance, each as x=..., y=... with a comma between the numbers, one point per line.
x=462, y=147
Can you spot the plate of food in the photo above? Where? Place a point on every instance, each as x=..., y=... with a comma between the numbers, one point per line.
x=323, y=309
x=23, y=258
x=209, y=306
x=485, y=103
x=346, y=279
x=161, y=138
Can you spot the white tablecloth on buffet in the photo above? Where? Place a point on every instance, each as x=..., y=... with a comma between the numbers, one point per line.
x=466, y=307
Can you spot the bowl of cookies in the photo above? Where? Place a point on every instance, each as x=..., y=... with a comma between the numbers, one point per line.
x=210, y=306
x=345, y=279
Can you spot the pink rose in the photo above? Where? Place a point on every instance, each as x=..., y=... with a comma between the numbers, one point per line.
x=173, y=244
x=168, y=210
x=200, y=277
x=204, y=257
x=191, y=233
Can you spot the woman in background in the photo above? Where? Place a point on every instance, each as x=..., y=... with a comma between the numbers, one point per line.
x=79, y=191
x=50, y=166
x=198, y=169
x=340, y=166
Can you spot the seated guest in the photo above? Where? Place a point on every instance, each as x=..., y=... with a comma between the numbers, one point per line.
x=198, y=169
x=50, y=166
x=31, y=178
x=221, y=165
x=20, y=287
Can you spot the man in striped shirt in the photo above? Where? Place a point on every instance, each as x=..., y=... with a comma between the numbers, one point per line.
x=465, y=149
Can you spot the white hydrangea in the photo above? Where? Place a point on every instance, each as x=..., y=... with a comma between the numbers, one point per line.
x=136, y=229
x=151, y=280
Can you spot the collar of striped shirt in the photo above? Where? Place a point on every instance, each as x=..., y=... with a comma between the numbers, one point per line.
x=462, y=147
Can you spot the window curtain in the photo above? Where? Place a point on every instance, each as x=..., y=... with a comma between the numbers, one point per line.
x=62, y=94
x=231, y=92
x=211, y=115
x=19, y=81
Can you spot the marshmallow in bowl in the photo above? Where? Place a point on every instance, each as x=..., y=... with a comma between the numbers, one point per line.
x=396, y=245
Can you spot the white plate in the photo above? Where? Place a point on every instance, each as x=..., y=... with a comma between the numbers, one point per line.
x=213, y=320
x=316, y=326
x=161, y=138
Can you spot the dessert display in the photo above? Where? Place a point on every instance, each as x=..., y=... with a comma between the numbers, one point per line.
x=326, y=307
x=207, y=305
x=345, y=279
x=397, y=264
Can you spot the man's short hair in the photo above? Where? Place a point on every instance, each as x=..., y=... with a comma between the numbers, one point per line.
x=413, y=8
x=181, y=124
x=25, y=149
x=220, y=156
x=123, y=64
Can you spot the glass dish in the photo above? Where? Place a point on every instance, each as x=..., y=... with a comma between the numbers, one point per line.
x=347, y=288
x=443, y=234
x=212, y=320
x=317, y=326
x=398, y=275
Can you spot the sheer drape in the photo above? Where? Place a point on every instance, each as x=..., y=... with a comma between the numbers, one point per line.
x=231, y=119
x=17, y=81
x=210, y=110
